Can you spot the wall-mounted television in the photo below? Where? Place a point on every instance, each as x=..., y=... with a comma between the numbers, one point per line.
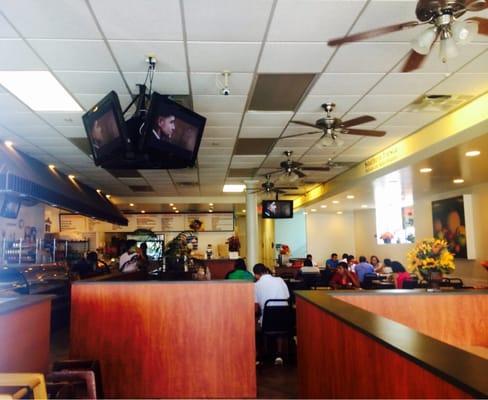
x=172, y=131
x=106, y=130
x=10, y=206
x=277, y=209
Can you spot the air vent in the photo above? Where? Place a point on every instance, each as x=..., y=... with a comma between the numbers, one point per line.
x=141, y=188
x=187, y=184
x=254, y=146
x=242, y=172
x=125, y=173
x=438, y=102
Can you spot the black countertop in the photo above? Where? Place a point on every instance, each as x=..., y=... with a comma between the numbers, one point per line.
x=458, y=367
x=10, y=304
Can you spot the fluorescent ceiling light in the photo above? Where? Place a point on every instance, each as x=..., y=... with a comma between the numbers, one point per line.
x=234, y=188
x=335, y=201
x=323, y=206
x=313, y=210
x=350, y=196
x=459, y=180
x=8, y=143
x=339, y=212
x=473, y=153
x=39, y=90
x=425, y=170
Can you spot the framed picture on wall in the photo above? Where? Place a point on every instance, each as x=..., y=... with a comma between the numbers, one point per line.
x=451, y=221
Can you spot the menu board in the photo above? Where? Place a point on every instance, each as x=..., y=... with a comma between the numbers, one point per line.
x=216, y=222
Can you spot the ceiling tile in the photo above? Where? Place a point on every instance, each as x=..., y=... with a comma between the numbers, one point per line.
x=62, y=118
x=473, y=84
x=266, y=118
x=367, y=57
x=478, y=64
x=10, y=103
x=92, y=82
x=149, y=20
x=131, y=55
x=74, y=55
x=220, y=132
x=89, y=100
x=383, y=103
x=223, y=119
x=231, y=103
x=294, y=57
x=52, y=19
x=6, y=31
x=19, y=119
x=411, y=83
x=20, y=56
x=217, y=142
x=213, y=83
x=249, y=148
x=312, y=20
x=313, y=103
x=414, y=119
x=230, y=21
x=164, y=82
x=217, y=56
x=260, y=132
x=344, y=84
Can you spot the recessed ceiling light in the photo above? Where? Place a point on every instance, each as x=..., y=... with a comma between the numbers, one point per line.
x=171, y=204
x=339, y=212
x=131, y=204
x=52, y=167
x=143, y=211
x=313, y=210
x=364, y=206
x=244, y=210
x=425, y=170
x=8, y=143
x=108, y=196
x=174, y=208
x=323, y=206
x=239, y=188
x=71, y=176
x=210, y=211
x=39, y=90
x=336, y=201
x=99, y=190
x=305, y=213
x=210, y=204
x=472, y=153
x=458, y=180
x=177, y=211
x=350, y=196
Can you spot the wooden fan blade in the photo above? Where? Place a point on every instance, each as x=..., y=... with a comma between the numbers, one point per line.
x=358, y=121
x=475, y=5
x=287, y=187
x=364, y=132
x=299, y=134
x=372, y=33
x=316, y=168
x=482, y=24
x=299, y=173
x=414, y=61
x=304, y=123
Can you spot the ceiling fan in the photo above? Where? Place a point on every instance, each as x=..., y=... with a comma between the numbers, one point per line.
x=443, y=17
x=268, y=187
x=293, y=170
x=331, y=127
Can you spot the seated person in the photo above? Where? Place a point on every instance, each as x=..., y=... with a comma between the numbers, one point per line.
x=83, y=267
x=332, y=262
x=387, y=266
x=351, y=263
x=376, y=263
x=269, y=287
x=343, y=278
x=240, y=272
x=128, y=260
x=363, y=268
x=399, y=274
x=98, y=266
x=309, y=267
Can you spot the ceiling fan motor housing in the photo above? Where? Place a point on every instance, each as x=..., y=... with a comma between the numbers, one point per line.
x=428, y=10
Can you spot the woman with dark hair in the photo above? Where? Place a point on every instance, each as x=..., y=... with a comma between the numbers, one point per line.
x=399, y=274
x=387, y=266
x=240, y=272
x=376, y=263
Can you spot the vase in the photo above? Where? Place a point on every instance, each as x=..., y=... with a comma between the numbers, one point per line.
x=434, y=280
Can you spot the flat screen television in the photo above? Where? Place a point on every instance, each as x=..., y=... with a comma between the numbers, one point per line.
x=10, y=207
x=172, y=131
x=277, y=209
x=105, y=128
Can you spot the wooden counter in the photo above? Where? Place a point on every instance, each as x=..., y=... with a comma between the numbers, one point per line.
x=347, y=351
x=167, y=339
x=219, y=267
x=24, y=333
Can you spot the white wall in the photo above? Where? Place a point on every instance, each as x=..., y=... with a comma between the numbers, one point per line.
x=330, y=233
x=292, y=232
x=14, y=229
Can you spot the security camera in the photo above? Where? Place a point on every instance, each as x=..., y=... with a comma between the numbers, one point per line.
x=225, y=91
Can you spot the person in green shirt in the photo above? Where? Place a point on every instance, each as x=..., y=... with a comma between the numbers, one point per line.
x=240, y=272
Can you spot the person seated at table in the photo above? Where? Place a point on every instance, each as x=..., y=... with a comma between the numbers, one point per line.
x=344, y=257
x=343, y=278
x=363, y=268
x=351, y=263
x=387, y=266
x=240, y=272
x=376, y=263
x=128, y=260
x=400, y=275
x=309, y=267
x=332, y=262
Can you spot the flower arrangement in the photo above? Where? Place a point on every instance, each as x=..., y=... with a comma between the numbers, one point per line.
x=285, y=250
x=431, y=255
x=196, y=225
x=233, y=243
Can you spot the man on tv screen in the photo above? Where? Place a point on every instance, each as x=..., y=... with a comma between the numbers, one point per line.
x=270, y=209
x=164, y=127
x=103, y=132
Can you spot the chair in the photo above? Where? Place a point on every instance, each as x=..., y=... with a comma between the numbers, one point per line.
x=311, y=279
x=412, y=283
x=278, y=320
x=35, y=383
x=83, y=382
x=83, y=365
x=368, y=280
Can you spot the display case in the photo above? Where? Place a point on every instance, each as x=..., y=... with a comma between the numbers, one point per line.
x=19, y=251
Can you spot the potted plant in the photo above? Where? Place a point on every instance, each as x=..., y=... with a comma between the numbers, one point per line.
x=177, y=251
x=234, y=246
x=431, y=258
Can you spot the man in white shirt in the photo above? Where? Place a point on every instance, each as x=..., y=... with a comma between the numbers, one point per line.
x=269, y=287
x=128, y=260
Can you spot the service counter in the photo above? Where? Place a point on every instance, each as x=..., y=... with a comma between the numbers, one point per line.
x=167, y=339
x=218, y=267
x=24, y=333
x=392, y=344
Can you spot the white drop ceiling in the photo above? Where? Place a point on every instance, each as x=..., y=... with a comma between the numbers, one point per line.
x=94, y=46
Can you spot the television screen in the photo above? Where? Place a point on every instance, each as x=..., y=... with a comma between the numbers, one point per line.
x=277, y=209
x=105, y=128
x=10, y=207
x=172, y=131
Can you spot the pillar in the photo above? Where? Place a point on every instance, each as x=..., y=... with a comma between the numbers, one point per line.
x=252, y=187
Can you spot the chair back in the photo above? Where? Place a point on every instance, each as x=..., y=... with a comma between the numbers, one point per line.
x=277, y=318
x=412, y=283
x=368, y=280
x=311, y=279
